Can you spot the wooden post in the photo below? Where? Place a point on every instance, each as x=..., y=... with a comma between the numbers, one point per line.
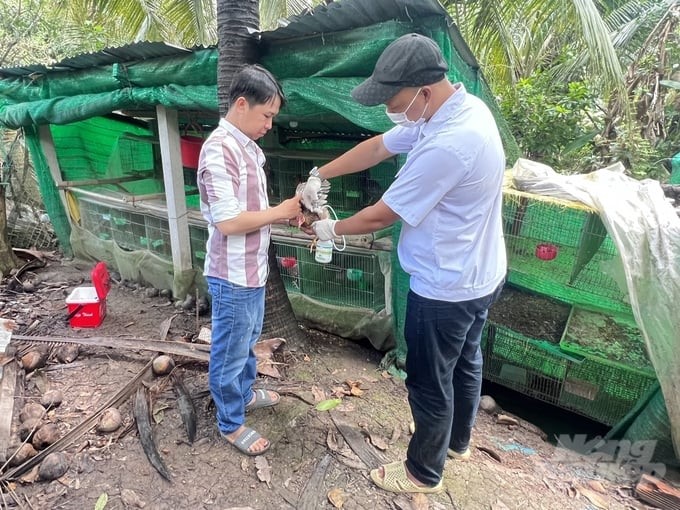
x=173, y=177
x=47, y=144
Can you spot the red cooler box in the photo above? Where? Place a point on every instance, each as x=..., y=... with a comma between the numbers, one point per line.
x=87, y=305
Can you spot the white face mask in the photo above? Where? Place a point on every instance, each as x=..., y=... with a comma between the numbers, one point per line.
x=400, y=118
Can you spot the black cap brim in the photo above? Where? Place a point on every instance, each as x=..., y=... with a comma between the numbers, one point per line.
x=371, y=92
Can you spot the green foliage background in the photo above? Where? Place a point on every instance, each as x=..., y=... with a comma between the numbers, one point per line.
x=581, y=83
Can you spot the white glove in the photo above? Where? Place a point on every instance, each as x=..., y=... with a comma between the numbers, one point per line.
x=325, y=229
x=315, y=193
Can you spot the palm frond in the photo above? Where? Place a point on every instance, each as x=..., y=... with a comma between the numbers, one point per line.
x=273, y=12
x=603, y=57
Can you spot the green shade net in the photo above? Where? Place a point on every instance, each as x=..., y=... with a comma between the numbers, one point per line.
x=317, y=73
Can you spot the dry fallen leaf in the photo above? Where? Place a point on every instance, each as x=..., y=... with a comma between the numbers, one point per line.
x=420, y=502
x=165, y=328
x=355, y=388
x=264, y=470
x=339, y=391
x=65, y=481
x=378, y=442
x=204, y=335
x=597, y=486
x=336, y=497
x=596, y=499
x=268, y=368
x=31, y=476
x=264, y=352
x=319, y=394
x=244, y=464
x=157, y=411
x=503, y=419
x=625, y=492
x=332, y=440
x=351, y=459
x=131, y=499
x=265, y=348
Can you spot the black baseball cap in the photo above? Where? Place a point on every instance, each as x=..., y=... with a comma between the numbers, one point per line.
x=413, y=60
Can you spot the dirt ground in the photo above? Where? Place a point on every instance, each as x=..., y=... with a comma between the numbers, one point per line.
x=318, y=459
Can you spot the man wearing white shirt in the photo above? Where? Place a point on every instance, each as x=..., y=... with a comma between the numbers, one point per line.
x=448, y=197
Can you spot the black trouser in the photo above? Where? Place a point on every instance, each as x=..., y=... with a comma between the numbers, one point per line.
x=444, y=378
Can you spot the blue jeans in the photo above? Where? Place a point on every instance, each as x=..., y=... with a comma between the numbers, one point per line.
x=237, y=315
x=444, y=377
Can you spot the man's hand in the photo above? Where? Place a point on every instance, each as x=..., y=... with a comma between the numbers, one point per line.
x=325, y=229
x=289, y=209
x=315, y=193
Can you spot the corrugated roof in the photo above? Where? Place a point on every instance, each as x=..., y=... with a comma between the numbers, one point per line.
x=128, y=53
x=334, y=17
x=348, y=14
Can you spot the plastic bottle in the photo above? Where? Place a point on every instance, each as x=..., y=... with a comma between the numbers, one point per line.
x=324, y=252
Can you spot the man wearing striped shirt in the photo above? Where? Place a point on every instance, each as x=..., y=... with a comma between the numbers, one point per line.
x=233, y=191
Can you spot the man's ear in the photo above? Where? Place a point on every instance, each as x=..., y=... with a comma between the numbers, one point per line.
x=241, y=104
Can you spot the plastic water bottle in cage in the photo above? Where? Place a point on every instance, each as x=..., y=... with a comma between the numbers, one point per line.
x=324, y=249
x=324, y=252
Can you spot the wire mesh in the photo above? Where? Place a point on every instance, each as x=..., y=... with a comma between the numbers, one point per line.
x=158, y=236
x=130, y=230
x=352, y=278
x=561, y=252
x=607, y=338
x=531, y=367
x=198, y=237
x=96, y=218
x=601, y=391
x=28, y=225
x=348, y=193
x=591, y=386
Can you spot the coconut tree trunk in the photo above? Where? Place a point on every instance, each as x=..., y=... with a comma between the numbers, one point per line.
x=236, y=22
x=279, y=319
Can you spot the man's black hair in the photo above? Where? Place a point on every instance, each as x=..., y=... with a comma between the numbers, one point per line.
x=256, y=85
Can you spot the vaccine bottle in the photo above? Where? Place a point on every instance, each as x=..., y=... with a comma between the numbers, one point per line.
x=324, y=252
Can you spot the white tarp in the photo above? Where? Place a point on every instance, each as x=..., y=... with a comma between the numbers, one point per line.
x=646, y=231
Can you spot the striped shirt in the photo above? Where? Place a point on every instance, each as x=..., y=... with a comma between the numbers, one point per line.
x=231, y=180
